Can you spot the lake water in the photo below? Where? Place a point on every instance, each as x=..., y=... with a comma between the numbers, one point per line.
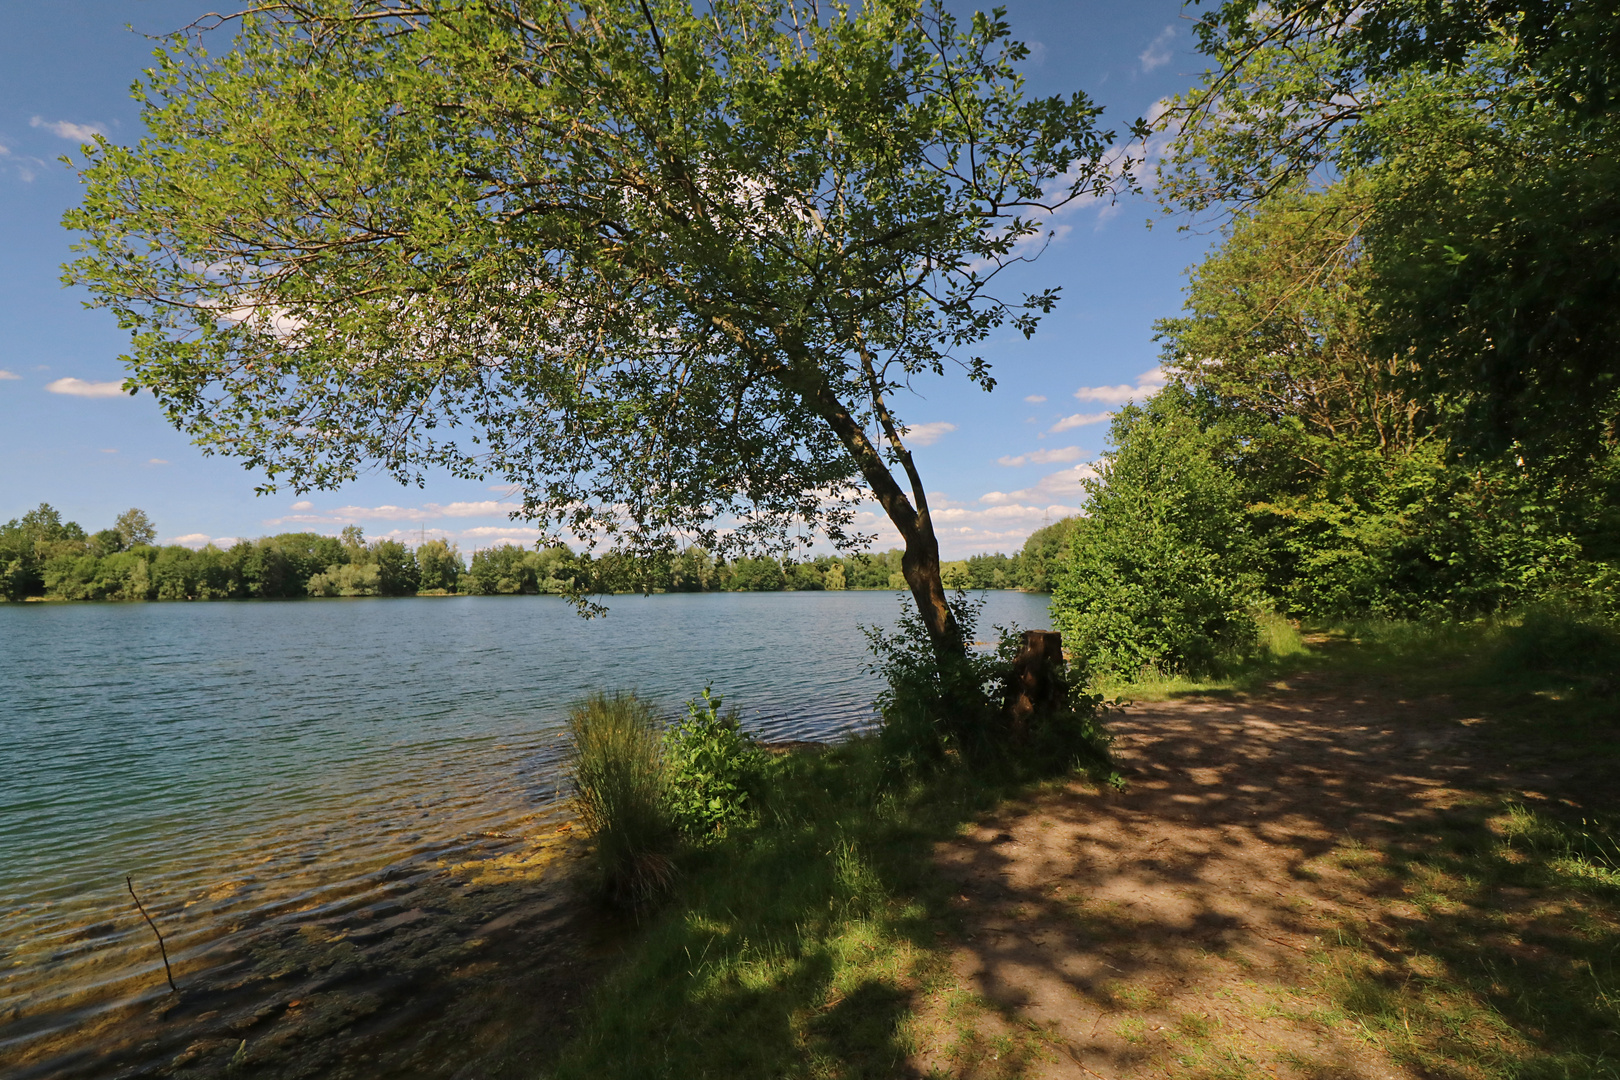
x=254, y=762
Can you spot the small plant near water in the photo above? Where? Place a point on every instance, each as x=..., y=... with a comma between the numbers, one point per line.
x=711, y=761
x=621, y=790
x=642, y=789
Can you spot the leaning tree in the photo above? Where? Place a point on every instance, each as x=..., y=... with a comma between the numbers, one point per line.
x=663, y=266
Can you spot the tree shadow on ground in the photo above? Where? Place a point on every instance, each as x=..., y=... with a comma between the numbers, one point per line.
x=1245, y=907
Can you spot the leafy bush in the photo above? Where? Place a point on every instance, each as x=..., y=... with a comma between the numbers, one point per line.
x=937, y=709
x=1559, y=639
x=621, y=789
x=1160, y=573
x=710, y=762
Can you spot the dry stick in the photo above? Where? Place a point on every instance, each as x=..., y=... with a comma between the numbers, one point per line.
x=161, y=948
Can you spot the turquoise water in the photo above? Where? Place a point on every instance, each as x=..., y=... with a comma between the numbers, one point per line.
x=257, y=761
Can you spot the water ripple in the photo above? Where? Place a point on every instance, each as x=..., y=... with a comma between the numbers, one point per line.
x=249, y=762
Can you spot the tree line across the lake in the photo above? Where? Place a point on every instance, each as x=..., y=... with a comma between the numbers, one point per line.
x=43, y=556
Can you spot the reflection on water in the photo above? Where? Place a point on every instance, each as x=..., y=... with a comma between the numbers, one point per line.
x=258, y=764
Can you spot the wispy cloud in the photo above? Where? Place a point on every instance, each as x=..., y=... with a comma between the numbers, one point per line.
x=1148, y=383
x=1069, y=423
x=156, y=461
x=1067, y=485
x=1055, y=456
x=1035, y=399
x=81, y=388
x=26, y=167
x=1158, y=54
x=64, y=129
x=343, y=515
x=4, y=375
x=109, y=451
x=928, y=434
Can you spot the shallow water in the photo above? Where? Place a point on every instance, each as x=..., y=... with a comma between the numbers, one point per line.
x=250, y=763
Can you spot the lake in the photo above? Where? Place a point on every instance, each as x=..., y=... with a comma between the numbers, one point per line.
x=251, y=763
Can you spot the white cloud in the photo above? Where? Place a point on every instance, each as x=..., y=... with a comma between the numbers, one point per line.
x=1035, y=399
x=190, y=540
x=1068, y=423
x=4, y=375
x=1067, y=484
x=482, y=532
x=1148, y=383
x=473, y=509
x=63, y=129
x=928, y=434
x=156, y=461
x=344, y=515
x=1055, y=456
x=109, y=451
x=1157, y=54
x=80, y=388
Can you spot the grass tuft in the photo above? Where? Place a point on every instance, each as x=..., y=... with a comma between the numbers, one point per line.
x=616, y=766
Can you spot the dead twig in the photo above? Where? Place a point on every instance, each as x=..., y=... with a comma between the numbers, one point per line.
x=130, y=883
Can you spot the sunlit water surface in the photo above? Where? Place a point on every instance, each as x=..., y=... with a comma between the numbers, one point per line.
x=249, y=762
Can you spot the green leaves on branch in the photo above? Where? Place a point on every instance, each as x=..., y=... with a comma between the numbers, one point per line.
x=711, y=761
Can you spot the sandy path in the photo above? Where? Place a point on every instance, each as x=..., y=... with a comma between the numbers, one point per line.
x=1168, y=929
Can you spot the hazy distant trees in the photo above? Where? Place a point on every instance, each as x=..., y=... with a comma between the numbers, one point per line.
x=43, y=556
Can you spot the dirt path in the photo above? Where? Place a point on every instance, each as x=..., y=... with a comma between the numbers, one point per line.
x=1169, y=929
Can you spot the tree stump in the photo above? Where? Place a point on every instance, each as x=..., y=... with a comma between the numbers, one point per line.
x=1037, y=679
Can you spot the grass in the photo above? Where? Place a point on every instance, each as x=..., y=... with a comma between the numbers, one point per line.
x=1497, y=954
x=616, y=766
x=814, y=944
x=804, y=947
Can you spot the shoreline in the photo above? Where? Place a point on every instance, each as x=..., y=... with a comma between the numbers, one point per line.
x=387, y=970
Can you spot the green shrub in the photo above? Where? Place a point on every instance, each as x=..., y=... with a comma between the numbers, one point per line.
x=937, y=710
x=620, y=781
x=710, y=762
x=1160, y=574
x=1558, y=639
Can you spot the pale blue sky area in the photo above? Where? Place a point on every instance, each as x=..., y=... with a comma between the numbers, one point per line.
x=1001, y=463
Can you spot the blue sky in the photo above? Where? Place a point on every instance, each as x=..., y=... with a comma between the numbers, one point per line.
x=1000, y=464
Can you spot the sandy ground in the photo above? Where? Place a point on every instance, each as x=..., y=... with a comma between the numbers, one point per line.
x=1167, y=929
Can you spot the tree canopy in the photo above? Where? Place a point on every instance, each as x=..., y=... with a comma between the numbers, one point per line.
x=1480, y=139
x=663, y=267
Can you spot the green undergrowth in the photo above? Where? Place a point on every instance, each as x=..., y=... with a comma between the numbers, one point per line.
x=1282, y=649
x=798, y=947
x=1495, y=954
x=1545, y=661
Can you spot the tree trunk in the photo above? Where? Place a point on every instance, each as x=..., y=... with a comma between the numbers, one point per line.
x=920, y=561
x=920, y=565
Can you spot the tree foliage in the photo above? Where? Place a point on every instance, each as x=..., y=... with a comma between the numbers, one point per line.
x=654, y=264
x=1291, y=464
x=1161, y=570
x=1481, y=138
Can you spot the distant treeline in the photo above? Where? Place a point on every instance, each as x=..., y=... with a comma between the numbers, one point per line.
x=43, y=556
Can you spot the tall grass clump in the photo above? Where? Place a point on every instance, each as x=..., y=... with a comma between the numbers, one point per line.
x=621, y=792
x=1561, y=639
